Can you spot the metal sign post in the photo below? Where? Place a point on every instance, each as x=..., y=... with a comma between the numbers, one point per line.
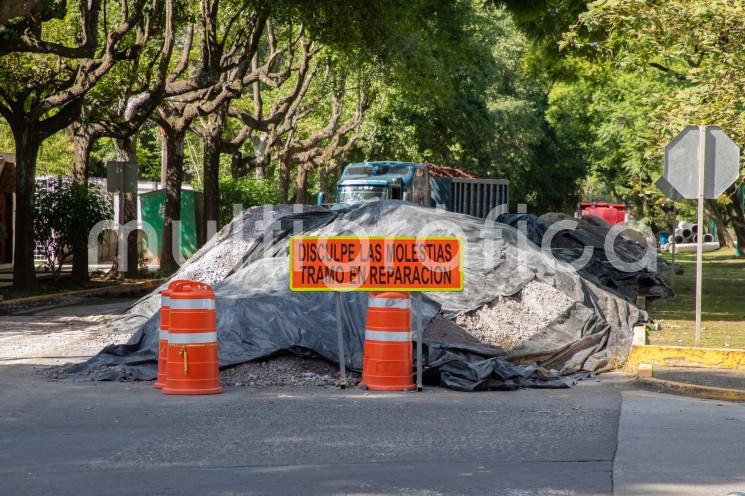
x=340, y=338
x=701, y=162
x=419, y=336
x=700, y=221
x=675, y=222
x=380, y=264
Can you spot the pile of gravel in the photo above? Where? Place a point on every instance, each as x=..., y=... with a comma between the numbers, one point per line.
x=228, y=248
x=510, y=320
x=219, y=257
x=286, y=370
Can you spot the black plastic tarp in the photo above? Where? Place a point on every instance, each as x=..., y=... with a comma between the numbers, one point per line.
x=567, y=245
x=258, y=316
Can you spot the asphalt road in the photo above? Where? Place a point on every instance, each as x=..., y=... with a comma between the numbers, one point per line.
x=601, y=437
x=127, y=439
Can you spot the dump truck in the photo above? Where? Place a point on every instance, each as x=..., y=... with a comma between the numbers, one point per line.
x=423, y=184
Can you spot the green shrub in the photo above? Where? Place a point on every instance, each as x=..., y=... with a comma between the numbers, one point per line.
x=248, y=192
x=65, y=214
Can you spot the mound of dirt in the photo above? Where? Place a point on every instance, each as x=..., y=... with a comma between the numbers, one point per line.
x=286, y=371
x=507, y=321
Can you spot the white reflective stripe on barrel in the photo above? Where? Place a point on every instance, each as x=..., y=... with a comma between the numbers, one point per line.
x=164, y=301
x=163, y=335
x=192, y=338
x=201, y=304
x=373, y=302
x=396, y=336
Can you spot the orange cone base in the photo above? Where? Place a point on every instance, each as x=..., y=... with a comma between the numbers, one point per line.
x=193, y=372
x=160, y=382
x=387, y=366
x=410, y=387
x=192, y=391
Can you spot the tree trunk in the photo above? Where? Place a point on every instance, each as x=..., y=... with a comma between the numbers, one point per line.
x=237, y=165
x=323, y=179
x=163, y=157
x=284, y=181
x=82, y=145
x=261, y=171
x=211, y=162
x=27, y=144
x=738, y=222
x=301, y=185
x=724, y=236
x=81, y=153
x=174, y=154
x=336, y=171
x=258, y=101
x=126, y=151
x=714, y=212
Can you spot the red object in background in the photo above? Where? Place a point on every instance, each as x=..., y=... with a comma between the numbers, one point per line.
x=612, y=213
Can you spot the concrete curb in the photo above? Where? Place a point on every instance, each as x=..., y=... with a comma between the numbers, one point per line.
x=692, y=390
x=49, y=299
x=682, y=356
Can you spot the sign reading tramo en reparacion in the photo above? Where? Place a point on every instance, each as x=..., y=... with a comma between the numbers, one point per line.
x=350, y=263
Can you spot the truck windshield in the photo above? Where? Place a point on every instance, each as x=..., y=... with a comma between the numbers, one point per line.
x=361, y=194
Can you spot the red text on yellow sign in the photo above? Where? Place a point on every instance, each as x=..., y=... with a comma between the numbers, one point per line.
x=348, y=263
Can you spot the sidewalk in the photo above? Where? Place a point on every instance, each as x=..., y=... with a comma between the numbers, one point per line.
x=6, y=271
x=698, y=382
x=6, y=274
x=723, y=378
x=670, y=445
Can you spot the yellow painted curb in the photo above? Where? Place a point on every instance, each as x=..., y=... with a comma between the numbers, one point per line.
x=693, y=390
x=682, y=356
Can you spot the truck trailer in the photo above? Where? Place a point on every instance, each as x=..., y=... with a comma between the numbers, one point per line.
x=415, y=183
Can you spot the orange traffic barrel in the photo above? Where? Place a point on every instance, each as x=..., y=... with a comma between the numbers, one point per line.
x=192, y=366
x=387, y=360
x=163, y=340
x=163, y=337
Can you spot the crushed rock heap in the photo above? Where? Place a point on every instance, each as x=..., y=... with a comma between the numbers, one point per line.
x=523, y=319
x=285, y=370
x=508, y=321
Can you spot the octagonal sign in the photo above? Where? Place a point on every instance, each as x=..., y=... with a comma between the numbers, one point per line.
x=721, y=166
x=722, y=162
x=667, y=189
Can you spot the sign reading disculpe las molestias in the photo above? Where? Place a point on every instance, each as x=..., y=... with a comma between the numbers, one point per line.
x=379, y=264
x=375, y=264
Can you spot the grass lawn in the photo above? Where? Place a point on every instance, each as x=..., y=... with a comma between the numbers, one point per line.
x=723, y=319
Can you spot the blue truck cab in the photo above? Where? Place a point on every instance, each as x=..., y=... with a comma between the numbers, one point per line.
x=374, y=181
